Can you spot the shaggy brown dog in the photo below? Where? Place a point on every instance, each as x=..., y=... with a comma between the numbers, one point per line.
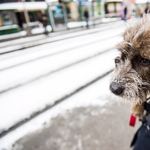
x=131, y=80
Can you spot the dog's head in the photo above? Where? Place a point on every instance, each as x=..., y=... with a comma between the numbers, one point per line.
x=131, y=77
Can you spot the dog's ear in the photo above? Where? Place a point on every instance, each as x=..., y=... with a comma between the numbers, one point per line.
x=136, y=38
x=139, y=33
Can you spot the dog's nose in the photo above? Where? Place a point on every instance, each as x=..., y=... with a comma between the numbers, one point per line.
x=116, y=88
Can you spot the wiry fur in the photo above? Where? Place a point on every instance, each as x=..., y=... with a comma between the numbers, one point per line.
x=131, y=81
x=137, y=37
x=129, y=72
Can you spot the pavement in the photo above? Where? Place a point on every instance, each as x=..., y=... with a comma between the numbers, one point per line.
x=84, y=128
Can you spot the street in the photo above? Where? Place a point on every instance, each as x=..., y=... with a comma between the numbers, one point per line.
x=54, y=93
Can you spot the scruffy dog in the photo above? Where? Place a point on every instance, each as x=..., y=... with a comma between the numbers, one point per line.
x=131, y=80
x=131, y=77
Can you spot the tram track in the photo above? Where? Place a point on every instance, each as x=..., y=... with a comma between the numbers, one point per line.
x=56, y=53
x=53, y=71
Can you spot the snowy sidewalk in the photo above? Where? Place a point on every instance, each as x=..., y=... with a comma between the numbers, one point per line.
x=92, y=119
x=70, y=25
x=45, y=91
x=28, y=42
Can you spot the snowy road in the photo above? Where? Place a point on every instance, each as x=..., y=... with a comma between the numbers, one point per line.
x=37, y=77
x=50, y=49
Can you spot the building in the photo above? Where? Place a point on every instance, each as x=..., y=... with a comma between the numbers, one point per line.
x=12, y=14
x=16, y=15
x=113, y=7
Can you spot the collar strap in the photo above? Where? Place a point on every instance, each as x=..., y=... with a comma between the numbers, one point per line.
x=148, y=99
x=147, y=106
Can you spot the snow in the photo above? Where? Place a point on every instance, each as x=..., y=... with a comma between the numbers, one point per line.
x=104, y=20
x=60, y=60
x=56, y=47
x=10, y=48
x=19, y=40
x=8, y=27
x=76, y=24
x=114, y=1
x=35, y=38
x=95, y=95
x=41, y=30
x=83, y=23
x=22, y=102
x=50, y=1
x=49, y=63
x=8, y=36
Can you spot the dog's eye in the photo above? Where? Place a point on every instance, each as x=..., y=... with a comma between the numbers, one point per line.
x=117, y=60
x=144, y=62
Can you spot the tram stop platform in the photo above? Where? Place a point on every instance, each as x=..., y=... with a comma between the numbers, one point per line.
x=84, y=128
x=72, y=27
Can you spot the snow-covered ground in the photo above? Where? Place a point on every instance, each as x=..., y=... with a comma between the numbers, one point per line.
x=70, y=25
x=40, y=39
x=74, y=62
x=24, y=101
x=83, y=23
x=46, y=64
x=96, y=95
x=55, y=47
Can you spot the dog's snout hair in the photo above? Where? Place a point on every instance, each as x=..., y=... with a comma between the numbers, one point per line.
x=131, y=82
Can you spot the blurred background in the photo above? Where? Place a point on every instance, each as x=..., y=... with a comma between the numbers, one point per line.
x=56, y=60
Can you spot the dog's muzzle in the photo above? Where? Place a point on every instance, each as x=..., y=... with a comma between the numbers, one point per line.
x=116, y=88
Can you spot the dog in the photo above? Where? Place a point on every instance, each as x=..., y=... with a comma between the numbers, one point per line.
x=131, y=77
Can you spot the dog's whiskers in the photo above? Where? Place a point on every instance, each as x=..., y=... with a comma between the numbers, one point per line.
x=125, y=51
x=128, y=43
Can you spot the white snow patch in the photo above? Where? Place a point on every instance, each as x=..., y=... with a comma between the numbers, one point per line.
x=41, y=30
x=23, y=101
x=95, y=95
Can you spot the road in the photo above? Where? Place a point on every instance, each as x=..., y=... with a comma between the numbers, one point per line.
x=35, y=79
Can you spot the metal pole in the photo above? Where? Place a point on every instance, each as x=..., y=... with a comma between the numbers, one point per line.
x=136, y=14
x=93, y=12
x=49, y=16
x=65, y=15
x=26, y=18
x=102, y=9
x=80, y=13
